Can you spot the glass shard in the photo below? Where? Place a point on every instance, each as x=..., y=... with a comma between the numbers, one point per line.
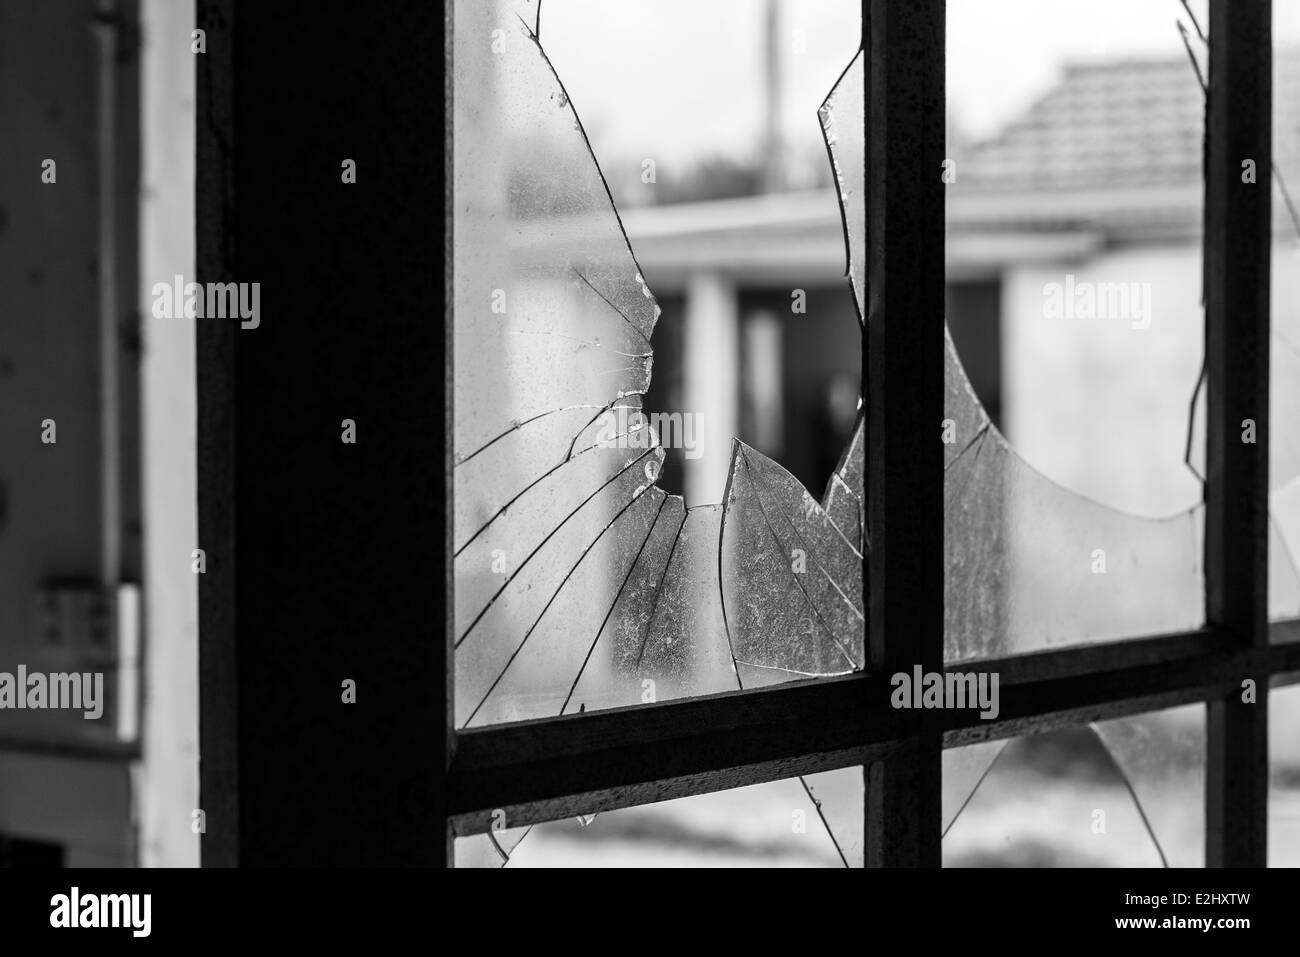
x=964, y=770
x=763, y=825
x=560, y=610
x=578, y=500
x=684, y=651
x=965, y=421
x=1031, y=565
x=549, y=301
x=844, y=501
x=1066, y=799
x=492, y=849
x=842, y=117
x=840, y=797
x=1162, y=758
x=613, y=670
x=579, y=584
x=1070, y=515
x=1284, y=402
x=529, y=11
x=791, y=579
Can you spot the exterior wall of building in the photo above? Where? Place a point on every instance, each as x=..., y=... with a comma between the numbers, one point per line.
x=1100, y=405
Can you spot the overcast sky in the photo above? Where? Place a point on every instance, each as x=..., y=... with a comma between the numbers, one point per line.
x=678, y=80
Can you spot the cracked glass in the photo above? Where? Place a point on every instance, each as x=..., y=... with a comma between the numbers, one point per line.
x=579, y=583
x=1284, y=776
x=1284, y=341
x=763, y=825
x=1072, y=504
x=1284, y=302
x=1127, y=792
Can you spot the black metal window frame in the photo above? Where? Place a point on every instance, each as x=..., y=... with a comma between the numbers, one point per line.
x=549, y=768
x=321, y=555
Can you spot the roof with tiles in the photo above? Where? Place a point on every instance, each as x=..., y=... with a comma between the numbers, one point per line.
x=1118, y=124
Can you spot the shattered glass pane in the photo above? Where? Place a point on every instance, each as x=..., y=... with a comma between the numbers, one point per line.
x=1031, y=565
x=764, y=825
x=681, y=650
x=492, y=849
x=1284, y=464
x=508, y=672
x=1284, y=300
x=1074, y=306
x=840, y=797
x=1161, y=756
x=1284, y=353
x=776, y=534
x=1129, y=792
x=842, y=125
x=579, y=583
x=1284, y=776
x=964, y=770
x=1284, y=388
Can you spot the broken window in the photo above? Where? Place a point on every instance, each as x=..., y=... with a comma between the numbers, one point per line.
x=1122, y=793
x=579, y=583
x=764, y=825
x=1284, y=776
x=1073, y=519
x=1284, y=302
x=1284, y=346
x=582, y=585
x=1284, y=434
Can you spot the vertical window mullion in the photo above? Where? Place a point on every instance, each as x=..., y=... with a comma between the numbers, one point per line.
x=903, y=361
x=1237, y=250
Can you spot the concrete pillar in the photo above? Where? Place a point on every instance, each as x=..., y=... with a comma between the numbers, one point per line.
x=711, y=392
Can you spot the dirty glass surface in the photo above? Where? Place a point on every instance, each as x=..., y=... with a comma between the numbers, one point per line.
x=557, y=513
x=1284, y=301
x=764, y=825
x=1284, y=776
x=1031, y=565
x=1122, y=793
x=582, y=585
x=1071, y=516
x=579, y=583
x=841, y=116
x=1284, y=343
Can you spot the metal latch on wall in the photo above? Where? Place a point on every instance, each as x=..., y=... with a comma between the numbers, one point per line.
x=87, y=628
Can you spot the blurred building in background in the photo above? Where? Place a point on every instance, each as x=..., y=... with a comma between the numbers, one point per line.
x=1098, y=179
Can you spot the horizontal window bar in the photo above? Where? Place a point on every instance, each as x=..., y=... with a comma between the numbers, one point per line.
x=551, y=768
